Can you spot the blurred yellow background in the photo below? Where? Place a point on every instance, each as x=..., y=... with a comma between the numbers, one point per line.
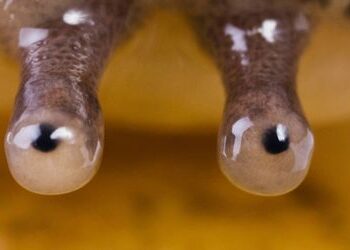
x=159, y=187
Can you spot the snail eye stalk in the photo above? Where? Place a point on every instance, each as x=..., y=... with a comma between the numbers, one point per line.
x=55, y=138
x=265, y=143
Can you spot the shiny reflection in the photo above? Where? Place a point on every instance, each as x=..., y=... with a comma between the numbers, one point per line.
x=29, y=36
x=266, y=158
x=303, y=152
x=268, y=30
x=238, y=130
x=76, y=17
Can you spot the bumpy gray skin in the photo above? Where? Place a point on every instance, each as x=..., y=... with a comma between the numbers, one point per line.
x=61, y=72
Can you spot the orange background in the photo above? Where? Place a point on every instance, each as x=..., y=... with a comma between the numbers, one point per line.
x=159, y=187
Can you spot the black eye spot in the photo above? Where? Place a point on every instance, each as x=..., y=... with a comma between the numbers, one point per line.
x=44, y=143
x=273, y=143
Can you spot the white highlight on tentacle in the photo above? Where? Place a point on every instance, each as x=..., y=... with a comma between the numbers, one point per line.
x=28, y=36
x=76, y=17
x=282, y=132
x=268, y=30
x=224, y=146
x=303, y=151
x=62, y=133
x=238, y=37
x=238, y=130
x=90, y=161
x=26, y=135
x=9, y=135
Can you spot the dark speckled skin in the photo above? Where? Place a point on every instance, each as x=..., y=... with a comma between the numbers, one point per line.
x=257, y=51
x=61, y=72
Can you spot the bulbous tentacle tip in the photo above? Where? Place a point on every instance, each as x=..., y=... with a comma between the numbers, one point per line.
x=52, y=153
x=267, y=157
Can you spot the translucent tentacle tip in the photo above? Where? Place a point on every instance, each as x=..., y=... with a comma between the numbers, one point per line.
x=266, y=157
x=50, y=153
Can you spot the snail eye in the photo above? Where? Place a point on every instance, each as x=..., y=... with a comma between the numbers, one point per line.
x=52, y=153
x=276, y=139
x=46, y=140
x=266, y=157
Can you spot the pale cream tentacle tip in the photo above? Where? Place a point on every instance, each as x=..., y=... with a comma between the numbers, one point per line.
x=266, y=157
x=52, y=153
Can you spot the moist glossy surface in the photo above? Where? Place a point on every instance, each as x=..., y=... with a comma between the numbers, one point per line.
x=179, y=199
